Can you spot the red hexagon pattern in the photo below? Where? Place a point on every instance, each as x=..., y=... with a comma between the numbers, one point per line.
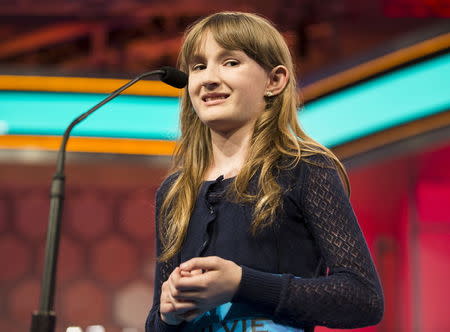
x=32, y=216
x=85, y=303
x=88, y=216
x=131, y=221
x=71, y=259
x=104, y=251
x=23, y=300
x=3, y=214
x=114, y=260
x=14, y=257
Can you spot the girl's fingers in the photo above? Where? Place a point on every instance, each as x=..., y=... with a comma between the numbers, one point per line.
x=202, y=263
x=173, y=305
x=180, y=308
x=186, y=273
x=166, y=307
x=195, y=282
x=172, y=290
x=188, y=297
x=196, y=272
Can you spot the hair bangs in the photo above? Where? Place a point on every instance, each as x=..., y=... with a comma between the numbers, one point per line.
x=232, y=32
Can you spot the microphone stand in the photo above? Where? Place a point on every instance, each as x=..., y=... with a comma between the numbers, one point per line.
x=44, y=319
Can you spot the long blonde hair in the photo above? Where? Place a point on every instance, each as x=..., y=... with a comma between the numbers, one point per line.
x=276, y=133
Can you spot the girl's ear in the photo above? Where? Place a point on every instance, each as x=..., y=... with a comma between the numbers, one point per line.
x=278, y=78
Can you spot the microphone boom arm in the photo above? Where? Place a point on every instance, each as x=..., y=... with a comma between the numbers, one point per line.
x=114, y=94
x=44, y=319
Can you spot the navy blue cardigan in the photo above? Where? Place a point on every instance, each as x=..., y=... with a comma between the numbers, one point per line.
x=315, y=236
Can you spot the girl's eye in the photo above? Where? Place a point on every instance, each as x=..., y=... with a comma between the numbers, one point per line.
x=198, y=66
x=231, y=63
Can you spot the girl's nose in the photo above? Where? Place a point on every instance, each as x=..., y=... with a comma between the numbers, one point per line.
x=211, y=78
x=210, y=85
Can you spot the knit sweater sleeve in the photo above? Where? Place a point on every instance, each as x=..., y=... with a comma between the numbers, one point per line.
x=350, y=295
x=162, y=272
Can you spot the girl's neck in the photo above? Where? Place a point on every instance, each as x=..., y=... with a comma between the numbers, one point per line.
x=230, y=151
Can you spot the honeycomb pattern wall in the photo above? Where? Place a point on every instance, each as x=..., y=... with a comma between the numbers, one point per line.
x=106, y=257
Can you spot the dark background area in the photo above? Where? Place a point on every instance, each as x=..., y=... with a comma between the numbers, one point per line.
x=126, y=37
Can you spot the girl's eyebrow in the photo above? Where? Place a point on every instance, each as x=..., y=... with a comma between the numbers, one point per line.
x=200, y=57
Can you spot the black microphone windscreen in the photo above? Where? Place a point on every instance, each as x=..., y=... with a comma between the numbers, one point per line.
x=174, y=77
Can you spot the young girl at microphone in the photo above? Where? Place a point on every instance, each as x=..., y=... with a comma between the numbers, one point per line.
x=255, y=231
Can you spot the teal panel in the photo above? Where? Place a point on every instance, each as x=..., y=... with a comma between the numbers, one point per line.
x=395, y=98
x=44, y=113
x=399, y=97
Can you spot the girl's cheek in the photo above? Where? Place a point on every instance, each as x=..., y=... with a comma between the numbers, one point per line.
x=192, y=84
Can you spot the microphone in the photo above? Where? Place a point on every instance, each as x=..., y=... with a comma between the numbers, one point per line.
x=174, y=77
x=43, y=320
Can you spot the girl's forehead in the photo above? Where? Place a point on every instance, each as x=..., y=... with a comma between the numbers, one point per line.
x=207, y=42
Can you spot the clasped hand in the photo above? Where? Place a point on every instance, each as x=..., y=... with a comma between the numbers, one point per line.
x=196, y=286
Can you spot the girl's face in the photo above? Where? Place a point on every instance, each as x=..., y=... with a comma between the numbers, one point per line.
x=226, y=87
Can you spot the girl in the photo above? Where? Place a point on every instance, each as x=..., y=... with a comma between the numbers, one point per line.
x=255, y=231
